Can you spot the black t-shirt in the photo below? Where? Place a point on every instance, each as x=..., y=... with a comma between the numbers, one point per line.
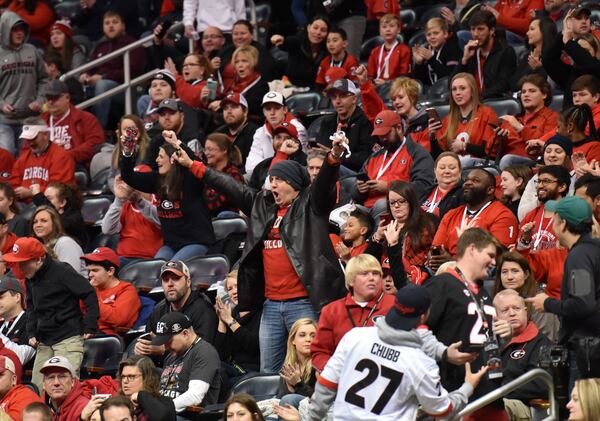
x=200, y=362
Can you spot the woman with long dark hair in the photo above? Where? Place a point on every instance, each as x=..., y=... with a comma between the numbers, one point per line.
x=8, y=207
x=184, y=217
x=408, y=236
x=242, y=406
x=306, y=50
x=512, y=182
x=539, y=38
x=61, y=43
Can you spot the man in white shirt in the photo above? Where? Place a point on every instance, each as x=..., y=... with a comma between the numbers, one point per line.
x=221, y=14
x=381, y=373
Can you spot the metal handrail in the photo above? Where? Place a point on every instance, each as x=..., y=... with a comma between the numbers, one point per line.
x=513, y=385
x=127, y=82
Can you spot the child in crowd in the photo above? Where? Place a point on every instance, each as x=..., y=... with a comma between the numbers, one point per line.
x=439, y=57
x=337, y=42
x=392, y=58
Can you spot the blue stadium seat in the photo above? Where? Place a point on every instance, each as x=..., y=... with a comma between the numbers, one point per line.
x=143, y=274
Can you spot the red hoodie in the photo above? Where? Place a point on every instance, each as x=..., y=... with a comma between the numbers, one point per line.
x=17, y=398
x=78, y=132
x=516, y=15
x=71, y=408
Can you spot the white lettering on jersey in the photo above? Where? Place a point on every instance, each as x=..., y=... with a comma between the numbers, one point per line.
x=35, y=173
x=61, y=136
x=477, y=337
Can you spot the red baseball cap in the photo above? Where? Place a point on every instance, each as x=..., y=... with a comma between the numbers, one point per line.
x=143, y=168
x=287, y=128
x=335, y=73
x=384, y=122
x=25, y=248
x=235, y=98
x=102, y=254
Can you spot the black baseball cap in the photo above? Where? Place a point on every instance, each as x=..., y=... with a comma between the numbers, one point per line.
x=10, y=283
x=412, y=301
x=170, y=325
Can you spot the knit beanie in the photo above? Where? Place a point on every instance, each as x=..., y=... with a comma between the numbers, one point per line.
x=64, y=27
x=562, y=141
x=291, y=172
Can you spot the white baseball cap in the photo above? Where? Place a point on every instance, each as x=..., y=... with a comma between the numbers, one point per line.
x=59, y=362
x=273, y=96
x=31, y=131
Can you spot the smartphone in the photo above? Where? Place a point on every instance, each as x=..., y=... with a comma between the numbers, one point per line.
x=212, y=86
x=103, y=396
x=432, y=113
x=362, y=176
x=131, y=134
x=165, y=27
x=146, y=337
x=436, y=250
x=385, y=219
x=313, y=144
x=226, y=299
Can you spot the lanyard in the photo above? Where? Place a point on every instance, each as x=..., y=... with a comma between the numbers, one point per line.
x=385, y=67
x=251, y=85
x=433, y=204
x=474, y=299
x=333, y=63
x=383, y=168
x=538, y=237
x=479, y=69
x=10, y=326
x=462, y=222
x=52, y=123
x=370, y=313
x=433, y=77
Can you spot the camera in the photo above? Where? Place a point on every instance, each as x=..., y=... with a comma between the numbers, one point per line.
x=491, y=351
x=555, y=360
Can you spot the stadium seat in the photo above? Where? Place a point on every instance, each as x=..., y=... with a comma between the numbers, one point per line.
x=417, y=38
x=368, y=45
x=143, y=274
x=67, y=9
x=442, y=110
x=101, y=356
x=408, y=17
x=207, y=270
x=303, y=103
x=82, y=179
x=315, y=126
x=432, y=12
x=261, y=386
x=98, y=182
x=504, y=106
x=557, y=103
x=104, y=240
x=438, y=92
x=224, y=227
x=94, y=209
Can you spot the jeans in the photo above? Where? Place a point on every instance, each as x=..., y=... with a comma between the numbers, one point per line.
x=102, y=109
x=142, y=105
x=292, y=399
x=355, y=27
x=276, y=321
x=510, y=160
x=70, y=348
x=184, y=253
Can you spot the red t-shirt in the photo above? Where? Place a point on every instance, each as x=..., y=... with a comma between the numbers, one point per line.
x=496, y=218
x=281, y=280
x=543, y=234
x=133, y=227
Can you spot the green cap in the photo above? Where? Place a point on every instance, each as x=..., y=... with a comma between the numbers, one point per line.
x=572, y=209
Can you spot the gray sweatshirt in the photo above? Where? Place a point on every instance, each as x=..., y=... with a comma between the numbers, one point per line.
x=22, y=73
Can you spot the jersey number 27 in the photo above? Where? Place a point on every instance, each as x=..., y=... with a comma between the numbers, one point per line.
x=373, y=372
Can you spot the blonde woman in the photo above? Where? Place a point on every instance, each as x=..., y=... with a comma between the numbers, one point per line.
x=585, y=400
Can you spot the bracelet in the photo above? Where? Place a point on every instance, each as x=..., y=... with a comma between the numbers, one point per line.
x=232, y=323
x=126, y=155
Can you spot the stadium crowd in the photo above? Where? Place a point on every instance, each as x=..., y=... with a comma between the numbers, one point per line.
x=417, y=182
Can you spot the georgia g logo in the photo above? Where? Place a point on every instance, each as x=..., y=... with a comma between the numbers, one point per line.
x=517, y=354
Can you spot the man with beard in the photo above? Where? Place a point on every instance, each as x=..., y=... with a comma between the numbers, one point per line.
x=486, y=57
x=179, y=296
x=481, y=209
x=555, y=10
x=237, y=127
x=461, y=310
x=399, y=159
x=170, y=117
x=552, y=184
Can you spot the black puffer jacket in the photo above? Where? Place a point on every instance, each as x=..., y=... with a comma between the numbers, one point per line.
x=304, y=232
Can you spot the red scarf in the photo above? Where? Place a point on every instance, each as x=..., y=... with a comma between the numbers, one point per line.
x=286, y=119
x=238, y=84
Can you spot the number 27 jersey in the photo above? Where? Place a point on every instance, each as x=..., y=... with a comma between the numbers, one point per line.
x=379, y=381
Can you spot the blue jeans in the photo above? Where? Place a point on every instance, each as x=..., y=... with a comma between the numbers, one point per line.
x=510, y=160
x=276, y=321
x=292, y=399
x=142, y=105
x=9, y=137
x=184, y=253
x=102, y=109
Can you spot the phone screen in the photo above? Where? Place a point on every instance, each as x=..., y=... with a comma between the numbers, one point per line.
x=385, y=219
x=432, y=114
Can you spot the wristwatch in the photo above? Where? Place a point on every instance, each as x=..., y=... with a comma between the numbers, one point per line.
x=232, y=323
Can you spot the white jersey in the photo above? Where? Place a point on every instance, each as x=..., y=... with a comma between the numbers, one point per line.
x=379, y=381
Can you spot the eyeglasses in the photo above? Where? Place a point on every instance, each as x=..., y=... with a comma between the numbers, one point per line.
x=60, y=377
x=507, y=310
x=398, y=203
x=545, y=181
x=191, y=64
x=130, y=377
